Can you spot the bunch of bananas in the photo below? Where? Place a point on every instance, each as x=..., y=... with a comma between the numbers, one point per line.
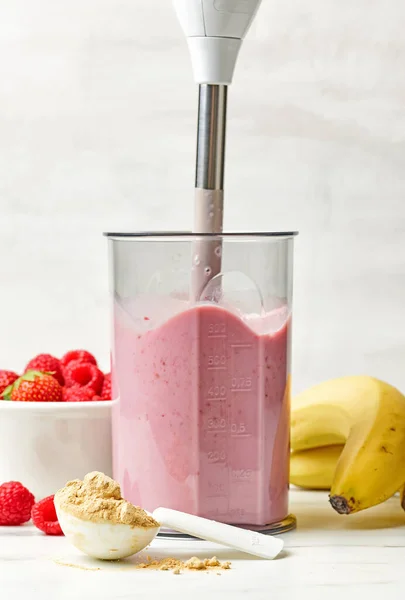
x=348, y=436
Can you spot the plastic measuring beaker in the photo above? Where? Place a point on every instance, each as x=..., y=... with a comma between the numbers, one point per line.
x=201, y=389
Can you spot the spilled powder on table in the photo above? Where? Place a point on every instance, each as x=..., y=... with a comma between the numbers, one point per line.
x=193, y=564
x=175, y=565
x=83, y=568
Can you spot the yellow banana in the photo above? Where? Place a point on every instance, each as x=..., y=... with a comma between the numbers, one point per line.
x=402, y=496
x=314, y=469
x=368, y=416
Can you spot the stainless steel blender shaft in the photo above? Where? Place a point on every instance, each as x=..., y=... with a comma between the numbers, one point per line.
x=212, y=103
x=209, y=184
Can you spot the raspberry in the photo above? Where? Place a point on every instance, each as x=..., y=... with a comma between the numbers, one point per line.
x=44, y=517
x=6, y=378
x=78, y=394
x=47, y=364
x=16, y=503
x=79, y=355
x=106, y=393
x=78, y=374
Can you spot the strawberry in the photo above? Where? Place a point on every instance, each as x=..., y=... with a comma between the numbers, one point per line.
x=47, y=364
x=77, y=355
x=34, y=386
x=7, y=378
x=106, y=393
x=78, y=374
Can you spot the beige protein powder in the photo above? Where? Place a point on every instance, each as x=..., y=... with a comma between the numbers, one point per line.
x=98, y=499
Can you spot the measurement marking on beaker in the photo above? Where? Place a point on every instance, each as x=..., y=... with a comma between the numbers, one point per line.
x=216, y=368
x=217, y=391
x=241, y=345
x=241, y=435
x=245, y=390
x=217, y=337
x=216, y=431
x=216, y=496
x=216, y=457
x=242, y=475
x=211, y=399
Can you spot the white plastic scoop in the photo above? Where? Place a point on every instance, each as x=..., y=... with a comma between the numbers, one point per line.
x=251, y=542
x=109, y=541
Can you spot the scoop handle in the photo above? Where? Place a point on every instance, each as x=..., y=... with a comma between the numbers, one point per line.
x=265, y=546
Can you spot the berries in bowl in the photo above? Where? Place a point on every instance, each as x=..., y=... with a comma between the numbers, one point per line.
x=55, y=421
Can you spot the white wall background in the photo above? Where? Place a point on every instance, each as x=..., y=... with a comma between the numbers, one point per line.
x=97, y=131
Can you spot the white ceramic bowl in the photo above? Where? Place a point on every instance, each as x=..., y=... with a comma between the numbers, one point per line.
x=45, y=444
x=106, y=541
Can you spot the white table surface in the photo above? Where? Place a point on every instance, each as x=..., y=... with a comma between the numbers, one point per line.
x=328, y=556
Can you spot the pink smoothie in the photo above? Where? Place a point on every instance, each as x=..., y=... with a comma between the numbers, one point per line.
x=201, y=423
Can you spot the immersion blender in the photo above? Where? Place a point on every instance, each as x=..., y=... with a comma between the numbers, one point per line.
x=215, y=30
